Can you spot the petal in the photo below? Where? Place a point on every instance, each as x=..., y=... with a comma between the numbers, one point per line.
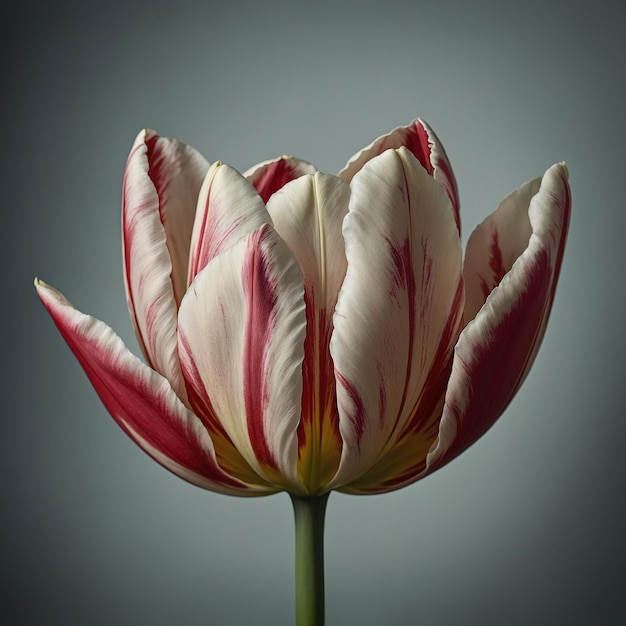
x=241, y=333
x=497, y=349
x=404, y=463
x=229, y=208
x=161, y=185
x=140, y=400
x=270, y=176
x=308, y=214
x=399, y=310
x=495, y=245
x=421, y=140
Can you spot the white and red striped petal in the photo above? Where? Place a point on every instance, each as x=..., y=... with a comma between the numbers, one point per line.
x=269, y=176
x=242, y=325
x=422, y=141
x=399, y=310
x=495, y=245
x=308, y=215
x=229, y=208
x=161, y=185
x=141, y=401
x=497, y=348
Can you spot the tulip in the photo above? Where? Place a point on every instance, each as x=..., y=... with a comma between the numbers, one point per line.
x=305, y=332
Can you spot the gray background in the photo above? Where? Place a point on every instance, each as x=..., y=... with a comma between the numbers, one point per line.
x=527, y=526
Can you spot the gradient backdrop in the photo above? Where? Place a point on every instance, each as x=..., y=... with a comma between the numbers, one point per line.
x=527, y=527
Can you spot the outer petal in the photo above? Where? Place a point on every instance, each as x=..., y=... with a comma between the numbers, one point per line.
x=399, y=310
x=270, y=176
x=241, y=333
x=229, y=208
x=161, y=186
x=421, y=140
x=140, y=400
x=308, y=214
x=497, y=349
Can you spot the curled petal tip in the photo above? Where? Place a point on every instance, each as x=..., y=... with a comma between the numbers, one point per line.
x=563, y=167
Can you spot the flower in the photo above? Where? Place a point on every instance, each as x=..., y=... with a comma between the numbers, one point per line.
x=307, y=332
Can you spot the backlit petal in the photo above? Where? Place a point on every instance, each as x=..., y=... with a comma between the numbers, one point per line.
x=399, y=310
x=497, y=349
x=229, y=208
x=161, y=185
x=421, y=140
x=270, y=176
x=308, y=214
x=242, y=325
x=140, y=400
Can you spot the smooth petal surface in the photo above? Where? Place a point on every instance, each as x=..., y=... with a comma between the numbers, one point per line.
x=242, y=325
x=495, y=245
x=421, y=140
x=399, y=310
x=497, y=349
x=229, y=208
x=270, y=176
x=140, y=400
x=308, y=215
x=161, y=185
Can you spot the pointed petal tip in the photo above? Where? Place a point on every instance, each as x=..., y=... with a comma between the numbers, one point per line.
x=48, y=293
x=562, y=166
x=44, y=291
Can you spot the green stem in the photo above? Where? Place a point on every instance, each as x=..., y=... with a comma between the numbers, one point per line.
x=309, y=515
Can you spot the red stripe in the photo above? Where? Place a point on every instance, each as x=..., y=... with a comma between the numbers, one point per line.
x=439, y=373
x=273, y=177
x=311, y=361
x=157, y=170
x=196, y=392
x=259, y=287
x=210, y=239
x=496, y=263
x=439, y=167
x=494, y=369
x=404, y=287
x=356, y=416
x=419, y=143
x=319, y=399
x=129, y=398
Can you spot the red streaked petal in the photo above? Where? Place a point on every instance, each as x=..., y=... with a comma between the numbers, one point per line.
x=403, y=464
x=229, y=208
x=495, y=245
x=308, y=214
x=161, y=184
x=270, y=176
x=497, y=348
x=141, y=401
x=242, y=325
x=399, y=310
x=422, y=141
x=177, y=171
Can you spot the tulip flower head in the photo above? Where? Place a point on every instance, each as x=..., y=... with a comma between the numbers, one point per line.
x=299, y=329
x=305, y=332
